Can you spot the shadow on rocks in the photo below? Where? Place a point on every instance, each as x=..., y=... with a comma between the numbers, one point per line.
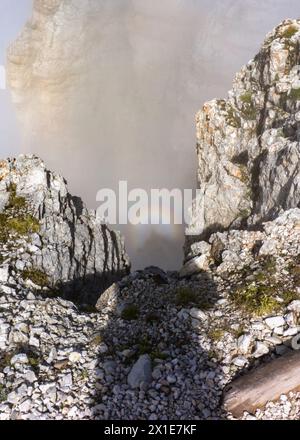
x=157, y=351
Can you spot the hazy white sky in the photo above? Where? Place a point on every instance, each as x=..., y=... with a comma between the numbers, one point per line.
x=13, y=14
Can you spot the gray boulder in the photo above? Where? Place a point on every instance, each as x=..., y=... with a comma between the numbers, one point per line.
x=141, y=372
x=54, y=235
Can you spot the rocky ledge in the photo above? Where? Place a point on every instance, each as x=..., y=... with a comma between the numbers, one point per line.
x=51, y=238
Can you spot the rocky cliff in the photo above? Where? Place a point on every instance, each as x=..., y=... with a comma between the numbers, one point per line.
x=248, y=144
x=50, y=238
x=160, y=346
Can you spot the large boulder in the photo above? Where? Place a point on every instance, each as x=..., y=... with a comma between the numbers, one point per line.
x=51, y=237
x=248, y=144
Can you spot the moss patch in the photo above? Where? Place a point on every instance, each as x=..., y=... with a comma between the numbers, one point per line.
x=290, y=31
x=36, y=276
x=263, y=294
x=232, y=118
x=295, y=94
x=3, y=394
x=185, y=296
x=14, y=201
x=96, y=340
x=14, y=219
x=130, y=313
x=216, y=334
x=246, y=98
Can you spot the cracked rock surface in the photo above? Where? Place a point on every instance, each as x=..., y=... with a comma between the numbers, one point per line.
x=248, y=144
x=51, y=235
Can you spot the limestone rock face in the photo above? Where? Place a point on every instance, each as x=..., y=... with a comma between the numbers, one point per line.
x=48, y=232
x=248, y=145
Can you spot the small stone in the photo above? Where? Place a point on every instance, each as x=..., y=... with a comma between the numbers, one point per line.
x=24, y=407
x=13, y=398
x=194, y=266
x=74, y=357
x=103, y=348
x=294, y=306
x=240, y=361
x=156, y=374
x=274, y=340
x=171, y=379
x=34, y=342
x=109, y=297
x=260, y=350
x=19, y=359
x=4, y=274
x=274, y=322
x=140, y=372
x=292, y=331
x=110, y=367
x=66, y=381
x=244, y=343
x=30, y=377
x=198, y=314
x=61, y=365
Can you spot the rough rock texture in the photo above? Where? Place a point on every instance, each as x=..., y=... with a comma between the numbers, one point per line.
x=248, y=145
x=51, y=236
x=58, y=361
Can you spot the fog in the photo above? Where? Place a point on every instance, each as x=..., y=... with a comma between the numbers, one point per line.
x=119, y=102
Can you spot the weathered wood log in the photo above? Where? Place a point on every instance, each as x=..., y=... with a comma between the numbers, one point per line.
x=264, y=384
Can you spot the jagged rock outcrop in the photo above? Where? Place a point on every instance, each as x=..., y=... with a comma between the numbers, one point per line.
x=51, y=238
x=158, y=347
x=249, y=144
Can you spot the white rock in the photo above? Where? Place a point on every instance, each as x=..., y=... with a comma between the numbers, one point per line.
x=268, y=247
x=244, y=343
x=292, y=331
x=279, y=331
x=260, y=350
x=66, y=381
x=274, y=340
x=19, y=359
x=295, y=306
x=240, y=361
x=195, y=265
x=274, y=322
x=4, y=274
x=140, y=372
x=34, y=342
x=74, y=357
x=198, y=314
x=24, y=407
x=30, y=377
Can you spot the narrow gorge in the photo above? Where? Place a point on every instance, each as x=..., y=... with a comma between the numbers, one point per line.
x=84, y=337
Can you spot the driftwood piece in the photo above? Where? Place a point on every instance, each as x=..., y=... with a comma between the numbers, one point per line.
x=264, y=384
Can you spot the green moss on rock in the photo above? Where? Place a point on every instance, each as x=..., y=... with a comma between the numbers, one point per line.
x=38, y=277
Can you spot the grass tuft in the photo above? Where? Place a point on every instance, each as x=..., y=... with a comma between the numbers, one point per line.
x=130, y=313
x=36, y=276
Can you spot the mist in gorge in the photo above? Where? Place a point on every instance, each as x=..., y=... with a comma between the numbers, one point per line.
x=108, y=90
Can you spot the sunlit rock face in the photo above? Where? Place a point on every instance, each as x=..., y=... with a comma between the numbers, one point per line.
x=248, y=145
